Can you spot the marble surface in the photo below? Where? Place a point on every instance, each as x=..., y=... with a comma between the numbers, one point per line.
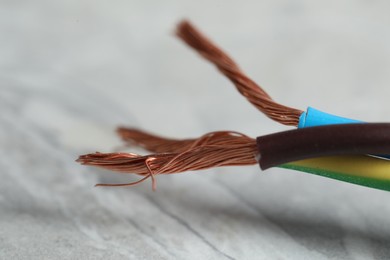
x=71, y=71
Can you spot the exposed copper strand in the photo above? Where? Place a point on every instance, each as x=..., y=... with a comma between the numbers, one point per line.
x=122, y=184
x=153, y=143
x=158, y=144
x=208, y=151
x=247, y=87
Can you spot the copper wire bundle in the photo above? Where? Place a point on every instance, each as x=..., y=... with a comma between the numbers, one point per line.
x=153, y=143
x=223, y=148
x=211, y=150
x=158, y=144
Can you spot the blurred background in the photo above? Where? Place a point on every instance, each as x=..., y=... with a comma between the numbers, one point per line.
x=72, y=71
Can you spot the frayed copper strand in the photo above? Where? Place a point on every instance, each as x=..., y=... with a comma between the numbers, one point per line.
x=153, y=143
x=247, y=87
x=158, y=144
x=211, y=150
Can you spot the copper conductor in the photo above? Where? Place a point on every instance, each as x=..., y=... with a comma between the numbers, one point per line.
x=215, y=149
x=158, y=144
x=153, y=143
x=247, y=87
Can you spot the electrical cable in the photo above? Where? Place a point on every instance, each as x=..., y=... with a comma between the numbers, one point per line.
x=310, y=148
x=250, y=89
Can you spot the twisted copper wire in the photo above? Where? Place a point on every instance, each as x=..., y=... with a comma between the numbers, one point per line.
x=215, y=149
x=247, y=87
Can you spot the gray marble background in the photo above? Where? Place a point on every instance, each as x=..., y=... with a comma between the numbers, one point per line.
x=71, y=71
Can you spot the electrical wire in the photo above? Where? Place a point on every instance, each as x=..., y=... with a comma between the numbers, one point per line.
x=248, y=88
x=282, y=149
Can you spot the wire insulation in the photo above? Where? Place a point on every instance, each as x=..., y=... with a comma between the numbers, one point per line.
x=279, y=148
x=358, y=169
x=315, y=117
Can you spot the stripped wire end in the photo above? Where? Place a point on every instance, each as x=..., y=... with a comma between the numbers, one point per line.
x=214, y=149
x=123, y=163
x=228, y=67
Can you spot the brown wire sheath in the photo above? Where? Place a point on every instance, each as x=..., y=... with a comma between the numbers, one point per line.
x=283, y=147
x=247, y=87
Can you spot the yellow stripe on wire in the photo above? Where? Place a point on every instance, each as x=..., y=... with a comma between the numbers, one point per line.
x=359, y=169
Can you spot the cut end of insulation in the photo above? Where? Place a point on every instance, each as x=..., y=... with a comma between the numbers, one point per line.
x=314, y=117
